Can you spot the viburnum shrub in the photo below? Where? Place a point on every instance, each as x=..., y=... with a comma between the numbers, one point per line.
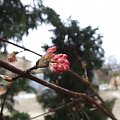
x=57, y=62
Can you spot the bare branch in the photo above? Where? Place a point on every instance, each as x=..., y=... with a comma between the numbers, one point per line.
x=4, y=40
x=86, y=81
x=58, y=108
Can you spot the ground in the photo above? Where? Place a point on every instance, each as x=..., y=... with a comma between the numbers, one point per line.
x=27, y=103
x=111, y=94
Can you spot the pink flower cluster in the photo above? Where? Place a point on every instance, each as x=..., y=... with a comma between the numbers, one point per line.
x=58, y=63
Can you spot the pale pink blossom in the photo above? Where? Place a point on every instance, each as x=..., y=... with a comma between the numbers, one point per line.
x=59, y=63
x=11, y=57
x=2, y=90
x=51, y=50
x=45, y=59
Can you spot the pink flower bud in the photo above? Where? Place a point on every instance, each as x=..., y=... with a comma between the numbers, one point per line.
x=59, y=63
x=66, y=67
x=64, y=56
x=60, y=67
x=11, y=57
x=53, y=67
x=60, y=60
x=2, y=90
x=51, y=50
x=59, y=55
x=67, y=62
x=55, y=58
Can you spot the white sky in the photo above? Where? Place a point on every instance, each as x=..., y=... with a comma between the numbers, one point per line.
x=104, y=14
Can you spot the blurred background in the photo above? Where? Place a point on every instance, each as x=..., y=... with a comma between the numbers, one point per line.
x=87, y=31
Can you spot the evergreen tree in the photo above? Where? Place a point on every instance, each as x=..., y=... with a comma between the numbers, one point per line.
x=81, y=45
x=16, y=19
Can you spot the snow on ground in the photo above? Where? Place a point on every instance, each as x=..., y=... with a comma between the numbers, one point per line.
x=26, y=102
x=111, y=94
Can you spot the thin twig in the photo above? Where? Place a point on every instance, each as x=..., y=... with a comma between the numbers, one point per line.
x=57, y=108
x=57, y=88
x=18, y=76
x=86, y=81
x=4, y=100
x=86, y=115
x=4, y=40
